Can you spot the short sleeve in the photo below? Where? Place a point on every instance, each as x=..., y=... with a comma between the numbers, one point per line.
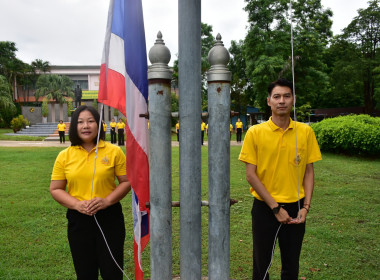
x=59, y=168
x=248, y=151
x=314, y=153
x=120, y=165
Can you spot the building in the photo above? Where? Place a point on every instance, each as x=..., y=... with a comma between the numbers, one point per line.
x=87, y=77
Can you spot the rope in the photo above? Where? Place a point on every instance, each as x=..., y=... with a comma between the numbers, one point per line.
x=294, y=107
x=92, y=188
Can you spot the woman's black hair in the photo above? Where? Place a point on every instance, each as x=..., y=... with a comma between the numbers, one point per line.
x=73, y=130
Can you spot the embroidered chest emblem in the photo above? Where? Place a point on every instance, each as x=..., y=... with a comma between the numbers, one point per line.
x=297, y=160
x=105, y=160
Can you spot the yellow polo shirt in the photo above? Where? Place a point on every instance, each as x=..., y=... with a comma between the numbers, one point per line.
x=61, y=127
x=231, y=127
x=76, y=165
x=120, y=125
x=239, y=124
x=105, y=127
x=203, y=126
x=273, y=151
x=112, y=124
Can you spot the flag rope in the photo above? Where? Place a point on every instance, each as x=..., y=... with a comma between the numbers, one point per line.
x=295, y=132
x=92, y=188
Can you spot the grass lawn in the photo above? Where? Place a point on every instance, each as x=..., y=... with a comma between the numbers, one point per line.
x=342, y=238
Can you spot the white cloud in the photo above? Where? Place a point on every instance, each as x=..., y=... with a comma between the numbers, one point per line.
x=71, y=32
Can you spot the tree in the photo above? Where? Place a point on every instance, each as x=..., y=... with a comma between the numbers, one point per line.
x=207, y=41
x=55, y=88
x=267, y=47
x=241, y=88
x=40, y=65
x=10, y=66
x=7, y=107
x=364, y=33
x=345, y=71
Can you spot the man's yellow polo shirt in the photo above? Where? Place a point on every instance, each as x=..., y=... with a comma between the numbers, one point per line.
x=61, y=127
x=273, y=151
x=112, y=124
x=76, y=165
x=105, y=127
x=203, y=126
x=120, y=125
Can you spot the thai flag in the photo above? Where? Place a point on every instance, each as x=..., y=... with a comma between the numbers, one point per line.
x=124, y=85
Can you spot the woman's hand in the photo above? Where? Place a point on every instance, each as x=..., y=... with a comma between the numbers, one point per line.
x=96, y=204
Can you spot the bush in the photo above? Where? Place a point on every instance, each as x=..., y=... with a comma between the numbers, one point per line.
x=352, y=134
x=19, y=123
x=45, y=109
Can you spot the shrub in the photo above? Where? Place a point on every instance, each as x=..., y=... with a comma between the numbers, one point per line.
x=19, y=123
x=45, y=109
x=352, y=134
x=70, y=108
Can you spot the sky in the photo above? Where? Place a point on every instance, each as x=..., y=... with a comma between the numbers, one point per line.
x=71, y=32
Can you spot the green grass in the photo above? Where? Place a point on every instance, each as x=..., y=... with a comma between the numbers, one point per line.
x=342, y=237
x=18, y=137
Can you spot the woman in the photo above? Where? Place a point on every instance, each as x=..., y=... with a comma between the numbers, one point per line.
x=72, y=185
x=61, y=131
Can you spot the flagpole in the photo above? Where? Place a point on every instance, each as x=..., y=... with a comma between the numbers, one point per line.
x=160, y=164
x=189, y=74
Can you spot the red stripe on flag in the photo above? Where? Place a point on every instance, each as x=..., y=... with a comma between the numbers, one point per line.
x=112, y=89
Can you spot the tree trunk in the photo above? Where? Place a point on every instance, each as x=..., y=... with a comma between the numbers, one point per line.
x=52, y=104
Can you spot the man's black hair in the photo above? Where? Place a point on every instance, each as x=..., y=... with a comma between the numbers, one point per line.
x=280, y=82
x=73, y=130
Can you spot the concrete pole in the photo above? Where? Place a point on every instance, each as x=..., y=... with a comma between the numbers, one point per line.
x=218, y=78
x=159, y=76
x=189, y=72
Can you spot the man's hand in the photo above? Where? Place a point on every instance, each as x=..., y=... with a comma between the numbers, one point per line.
x=283, y=216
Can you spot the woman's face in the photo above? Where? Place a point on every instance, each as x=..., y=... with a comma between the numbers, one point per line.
x=87, y=127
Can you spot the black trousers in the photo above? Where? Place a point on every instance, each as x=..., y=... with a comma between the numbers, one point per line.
x=264, y=229
x=202, y=136
x=120, y=134
x=88, y=248
x=239, y=131
x=113, y=135
x=61, y=136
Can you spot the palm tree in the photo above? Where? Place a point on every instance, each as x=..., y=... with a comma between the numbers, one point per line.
x=42, y=66
x=55, y=88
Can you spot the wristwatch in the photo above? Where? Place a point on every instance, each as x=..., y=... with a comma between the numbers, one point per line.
x=276, y=209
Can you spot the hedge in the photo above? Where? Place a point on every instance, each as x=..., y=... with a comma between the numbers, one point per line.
x=352, y=134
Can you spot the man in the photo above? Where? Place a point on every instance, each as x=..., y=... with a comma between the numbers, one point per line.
x=239, y=130
x=120, y=132
x=281, y=202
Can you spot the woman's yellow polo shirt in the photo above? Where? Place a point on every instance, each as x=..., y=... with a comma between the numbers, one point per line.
x=61, y=127
x=76, y=165
x=273, y=151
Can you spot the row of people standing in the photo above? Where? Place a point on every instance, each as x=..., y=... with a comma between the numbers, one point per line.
x=239, y=128
x=116, y=128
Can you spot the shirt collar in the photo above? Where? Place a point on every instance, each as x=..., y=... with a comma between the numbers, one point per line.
x=101, y=145
x=275, y=127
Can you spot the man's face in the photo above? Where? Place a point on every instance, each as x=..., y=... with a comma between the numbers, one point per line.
x=280, y=101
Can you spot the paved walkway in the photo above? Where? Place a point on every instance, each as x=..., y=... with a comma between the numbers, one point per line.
x=8, y=143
